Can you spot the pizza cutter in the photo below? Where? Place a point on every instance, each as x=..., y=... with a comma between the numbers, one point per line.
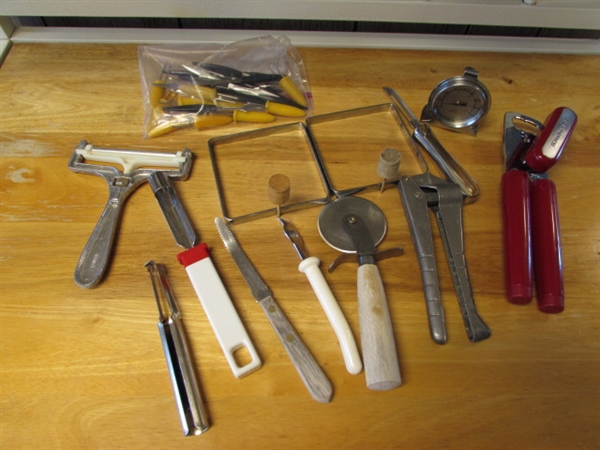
x=355, y=225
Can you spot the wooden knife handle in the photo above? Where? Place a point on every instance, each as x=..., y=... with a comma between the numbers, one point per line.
x=308, y=368
x=377, y=335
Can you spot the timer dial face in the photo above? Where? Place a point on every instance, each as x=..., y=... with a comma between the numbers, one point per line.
x=459, y=105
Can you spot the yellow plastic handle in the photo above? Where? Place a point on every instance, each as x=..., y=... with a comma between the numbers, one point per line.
x=157, y=92
x=166, y=127
x=253, y=116
x=211, y=120
x=292, y=90
x=184, y=101
x=279, y=109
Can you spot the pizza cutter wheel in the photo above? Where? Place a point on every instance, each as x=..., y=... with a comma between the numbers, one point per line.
x=356, y=225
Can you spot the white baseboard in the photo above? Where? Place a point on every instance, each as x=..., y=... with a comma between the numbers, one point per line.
x=309, y=39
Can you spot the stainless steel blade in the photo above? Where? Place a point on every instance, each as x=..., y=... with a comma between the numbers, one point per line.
x=172, y=209
x=295, y=238
x=260, y=291
x=307, y=367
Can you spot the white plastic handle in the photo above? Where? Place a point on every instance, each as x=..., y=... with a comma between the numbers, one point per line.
x=310, y=267
x=223, y=317
x=132, y=159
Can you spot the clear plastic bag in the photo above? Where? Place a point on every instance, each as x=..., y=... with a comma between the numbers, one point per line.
x=256, y=81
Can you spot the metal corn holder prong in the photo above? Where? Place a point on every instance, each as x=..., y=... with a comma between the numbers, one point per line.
x=193, y=416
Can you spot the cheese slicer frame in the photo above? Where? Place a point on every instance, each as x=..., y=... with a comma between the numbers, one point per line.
x=247, y=136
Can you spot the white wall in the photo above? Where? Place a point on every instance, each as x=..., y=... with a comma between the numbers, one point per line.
x=574, y=14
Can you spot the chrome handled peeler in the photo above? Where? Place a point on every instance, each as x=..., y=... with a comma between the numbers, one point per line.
x=422, y=133
x=193, y=416
x=418, y=194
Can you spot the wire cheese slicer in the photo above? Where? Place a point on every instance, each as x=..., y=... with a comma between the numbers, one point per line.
x=137, y=166
x=356, y=225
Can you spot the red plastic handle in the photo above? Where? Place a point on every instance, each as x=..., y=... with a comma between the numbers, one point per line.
x=517, y=236
x=546, y=241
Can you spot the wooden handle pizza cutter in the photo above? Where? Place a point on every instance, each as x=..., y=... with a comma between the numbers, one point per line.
x=355, y=226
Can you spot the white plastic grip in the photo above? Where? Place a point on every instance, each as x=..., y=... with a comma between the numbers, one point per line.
x=310, y=267
x=219, y=309
x=131, y=160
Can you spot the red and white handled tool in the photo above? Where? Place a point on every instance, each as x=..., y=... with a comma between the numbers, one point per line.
x=213, y=296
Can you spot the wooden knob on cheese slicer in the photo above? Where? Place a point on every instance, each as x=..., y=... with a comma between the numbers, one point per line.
x=388, y=165
x=279, y=190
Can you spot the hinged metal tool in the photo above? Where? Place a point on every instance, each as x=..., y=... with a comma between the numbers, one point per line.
x=420, y=193
x=532, y=240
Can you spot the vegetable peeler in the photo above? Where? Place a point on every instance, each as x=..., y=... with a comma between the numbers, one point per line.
x=211, y=292
x=192, y=413
x=137, y=167
x=530, y=211
x=421, y=132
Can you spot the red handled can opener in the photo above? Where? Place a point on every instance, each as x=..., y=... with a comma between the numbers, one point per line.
x=532, y=243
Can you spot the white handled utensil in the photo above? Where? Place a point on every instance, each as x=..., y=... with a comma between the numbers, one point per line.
x=211, y=292
x=310, y=267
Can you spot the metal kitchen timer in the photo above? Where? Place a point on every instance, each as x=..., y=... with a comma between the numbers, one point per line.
x=458, y=103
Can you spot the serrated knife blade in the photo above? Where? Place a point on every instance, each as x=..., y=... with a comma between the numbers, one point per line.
x=309, y=370
x=260, y=290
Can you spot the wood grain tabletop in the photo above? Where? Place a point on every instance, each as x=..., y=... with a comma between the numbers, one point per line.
x=85, y=369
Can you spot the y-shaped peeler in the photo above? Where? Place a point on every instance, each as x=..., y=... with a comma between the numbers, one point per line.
x=419, y=193
x=137, y=167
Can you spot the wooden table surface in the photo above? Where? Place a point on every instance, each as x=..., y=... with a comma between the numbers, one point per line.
x=84, y=369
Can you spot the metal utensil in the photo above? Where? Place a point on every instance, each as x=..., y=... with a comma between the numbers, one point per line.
x=192, y=413
x=137, y=167
x=420, y=193
x=356, y=225
x=309, y=370
x=423, y=134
